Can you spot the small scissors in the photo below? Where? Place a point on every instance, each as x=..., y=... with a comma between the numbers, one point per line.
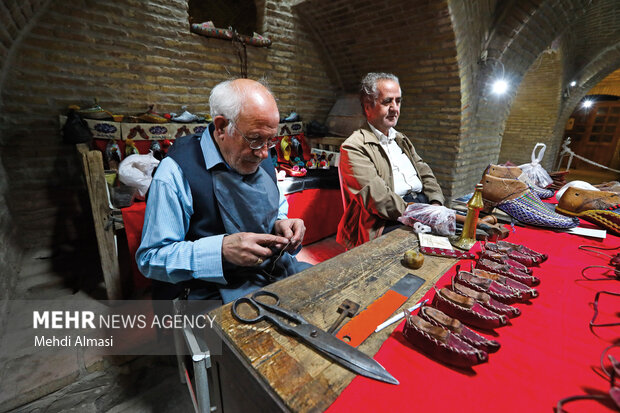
x=318, y=339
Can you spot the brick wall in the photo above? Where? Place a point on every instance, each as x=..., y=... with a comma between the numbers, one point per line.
x=534, y=111
x=415, y=41
x=608, y=86
x=128, y=54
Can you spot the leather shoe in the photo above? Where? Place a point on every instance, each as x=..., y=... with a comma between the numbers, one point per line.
x=486, y=300
x=508, y=271
x=517, y=200
x=436, y=317
x=602, y=208
x=485, y=285
x=514, y=172
x=466, y=309
x=524, y=259
x=539, y=257
x=526, y=292
x=441, y=344
x=503, y=258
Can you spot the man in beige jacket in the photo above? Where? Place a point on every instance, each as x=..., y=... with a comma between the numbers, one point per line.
x=379, y=167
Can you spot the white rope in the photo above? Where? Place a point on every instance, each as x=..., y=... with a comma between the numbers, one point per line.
x=567, y=151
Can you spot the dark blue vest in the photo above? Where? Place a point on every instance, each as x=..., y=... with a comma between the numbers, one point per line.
x=206, y=220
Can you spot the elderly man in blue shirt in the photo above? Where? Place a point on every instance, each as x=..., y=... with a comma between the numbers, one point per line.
x=215, y=221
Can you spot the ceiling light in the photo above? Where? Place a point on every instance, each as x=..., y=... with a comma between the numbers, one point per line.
x=587, y=103
x=573, y=84
x=500, y=87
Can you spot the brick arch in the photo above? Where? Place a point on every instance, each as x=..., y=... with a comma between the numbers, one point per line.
x=516, y=33
x=598, y=69
x=412, y=39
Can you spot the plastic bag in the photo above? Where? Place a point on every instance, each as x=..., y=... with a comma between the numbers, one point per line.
x=534, y=170
x=136, y=171
x=442, y=220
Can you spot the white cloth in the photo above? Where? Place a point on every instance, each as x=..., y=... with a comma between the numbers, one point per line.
x=406, y=178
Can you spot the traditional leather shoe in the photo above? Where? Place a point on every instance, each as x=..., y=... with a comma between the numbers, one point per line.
x=526, y=292
x=502, y=258
x=540, y=257
x=436, y=317
x=517, y=200
x=441, y=344
x=508, y=271
x=466, y=309
x=486, y=300
x=518, y=260
x=514, y=172
x=485, y=285
x=602, y=208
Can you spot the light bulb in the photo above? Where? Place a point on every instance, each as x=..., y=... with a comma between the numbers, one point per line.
x=573, y=84
x=500, y=87
x=587, y=103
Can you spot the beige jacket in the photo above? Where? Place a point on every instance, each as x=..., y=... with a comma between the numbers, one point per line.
x=368, y=186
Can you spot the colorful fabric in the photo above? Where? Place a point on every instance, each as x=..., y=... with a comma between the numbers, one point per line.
x=606, y=219
x=529, y=209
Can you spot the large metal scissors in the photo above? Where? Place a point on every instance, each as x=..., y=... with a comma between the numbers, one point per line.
x=328, y=345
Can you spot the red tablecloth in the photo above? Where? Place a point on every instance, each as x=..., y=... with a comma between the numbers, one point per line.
x=548, y=353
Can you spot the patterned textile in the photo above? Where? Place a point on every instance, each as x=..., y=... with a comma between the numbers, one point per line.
x=529, y=209
x=606, y=219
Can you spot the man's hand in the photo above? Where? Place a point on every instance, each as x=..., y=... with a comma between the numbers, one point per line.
x=293, y=229
x=248, y=249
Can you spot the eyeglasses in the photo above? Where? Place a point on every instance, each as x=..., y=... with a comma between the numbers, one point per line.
x=257, y=143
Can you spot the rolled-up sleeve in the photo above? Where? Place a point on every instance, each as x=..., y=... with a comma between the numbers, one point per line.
x=164, y=254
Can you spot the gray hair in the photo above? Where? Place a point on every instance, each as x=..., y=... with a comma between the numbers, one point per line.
x=226, y=99
x=368, y=89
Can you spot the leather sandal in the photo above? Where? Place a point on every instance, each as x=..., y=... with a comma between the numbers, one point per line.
x=441, y=344
x=467, y=310
x=438, y=318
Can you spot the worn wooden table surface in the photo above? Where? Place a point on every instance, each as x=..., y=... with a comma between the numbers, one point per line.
x=302, y=378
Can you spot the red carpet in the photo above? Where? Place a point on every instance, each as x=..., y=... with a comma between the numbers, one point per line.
x=548, y=353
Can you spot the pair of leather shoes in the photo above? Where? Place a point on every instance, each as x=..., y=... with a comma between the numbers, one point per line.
x=494, y=289
x=440, y=343
x=519, y=253
x=438, y=318
x=526, y=292
x=467, y=310
x=502, y=258
x=517, y=200
x=508, y=271
x=485, y=300
x=602, y=208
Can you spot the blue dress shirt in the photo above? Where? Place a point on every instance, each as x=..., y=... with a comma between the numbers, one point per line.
x=164, y=254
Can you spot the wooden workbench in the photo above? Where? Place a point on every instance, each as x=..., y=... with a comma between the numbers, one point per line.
x=264, y=370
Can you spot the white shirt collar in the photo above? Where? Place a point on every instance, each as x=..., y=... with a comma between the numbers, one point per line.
x=382, y=138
